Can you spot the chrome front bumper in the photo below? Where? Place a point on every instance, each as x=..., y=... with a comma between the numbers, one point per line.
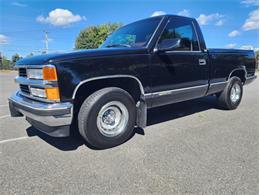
x=51, y=118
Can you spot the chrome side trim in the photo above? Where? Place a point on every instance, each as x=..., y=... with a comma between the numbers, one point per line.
x=160, y=93
x=108, y=77
x=216, y=87
x=35, y=82
x=218, y=83
x=183, y=52
x=251, y=77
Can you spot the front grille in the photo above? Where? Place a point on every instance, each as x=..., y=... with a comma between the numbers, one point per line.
x=25, y=89
x=22, y=72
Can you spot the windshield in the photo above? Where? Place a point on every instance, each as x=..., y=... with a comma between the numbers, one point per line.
x=136, y=34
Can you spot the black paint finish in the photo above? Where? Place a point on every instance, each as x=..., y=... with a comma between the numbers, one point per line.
x=157, y=71
x=224, y=61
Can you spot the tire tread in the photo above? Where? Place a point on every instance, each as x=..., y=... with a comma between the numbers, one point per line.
x=86, y=107
x=224, y=97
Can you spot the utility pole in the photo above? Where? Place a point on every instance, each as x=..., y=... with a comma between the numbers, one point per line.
x=46, y=41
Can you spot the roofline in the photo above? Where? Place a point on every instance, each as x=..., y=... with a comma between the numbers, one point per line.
x=176, y=16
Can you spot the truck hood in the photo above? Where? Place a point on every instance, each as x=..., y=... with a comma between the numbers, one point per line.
x=55, y=57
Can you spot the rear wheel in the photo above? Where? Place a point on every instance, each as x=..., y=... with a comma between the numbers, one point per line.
x=231, y=97
x=107, y=117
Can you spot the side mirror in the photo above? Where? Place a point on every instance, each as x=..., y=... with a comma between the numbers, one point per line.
x=169, y=44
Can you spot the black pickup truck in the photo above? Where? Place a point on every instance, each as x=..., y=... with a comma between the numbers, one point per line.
x=107, y=91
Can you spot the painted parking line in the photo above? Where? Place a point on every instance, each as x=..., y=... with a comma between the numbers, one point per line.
x=13, y=139
x=5, y=116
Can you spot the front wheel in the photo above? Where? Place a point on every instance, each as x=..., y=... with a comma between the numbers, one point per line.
x=107, y=117
x=231, y=97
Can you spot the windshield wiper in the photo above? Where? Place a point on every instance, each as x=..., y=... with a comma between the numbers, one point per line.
x=118, y=45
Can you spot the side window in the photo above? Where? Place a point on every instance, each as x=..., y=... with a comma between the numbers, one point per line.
x=183, y=30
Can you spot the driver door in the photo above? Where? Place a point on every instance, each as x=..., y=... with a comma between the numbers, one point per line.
x=181, y=73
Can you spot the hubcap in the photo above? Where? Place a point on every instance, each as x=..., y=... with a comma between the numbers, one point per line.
x=112, y=119
x=235, y=93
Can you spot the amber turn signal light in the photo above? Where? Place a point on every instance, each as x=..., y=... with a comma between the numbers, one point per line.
x=52, y=93
x=49, y=73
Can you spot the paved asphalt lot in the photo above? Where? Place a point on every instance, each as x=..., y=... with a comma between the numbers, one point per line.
x=188, y=148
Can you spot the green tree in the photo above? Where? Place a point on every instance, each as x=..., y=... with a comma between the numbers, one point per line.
x=15, y=58
x=93, y=36
x=6, y=64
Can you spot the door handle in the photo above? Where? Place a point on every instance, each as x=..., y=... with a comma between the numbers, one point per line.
x=202, y=62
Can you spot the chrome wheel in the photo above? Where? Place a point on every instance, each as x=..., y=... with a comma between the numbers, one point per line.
x=235, y=93
x=112, y=119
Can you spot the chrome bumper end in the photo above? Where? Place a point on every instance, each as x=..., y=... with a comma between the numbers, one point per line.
x=47, y=117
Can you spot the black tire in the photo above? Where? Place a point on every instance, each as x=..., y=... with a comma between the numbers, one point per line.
x=88, y=117
x=224, y=98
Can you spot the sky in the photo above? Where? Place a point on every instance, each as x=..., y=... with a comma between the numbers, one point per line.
x=224, y=23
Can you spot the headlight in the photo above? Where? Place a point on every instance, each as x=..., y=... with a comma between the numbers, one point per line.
x=34, y=73
x=48, y=93
x=46, y=73
x=38, y=92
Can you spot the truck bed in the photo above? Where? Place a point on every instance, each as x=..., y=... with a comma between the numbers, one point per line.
x=223, y=61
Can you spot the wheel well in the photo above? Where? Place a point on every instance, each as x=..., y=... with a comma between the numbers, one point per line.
x=240, y=74
x=128, y=84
